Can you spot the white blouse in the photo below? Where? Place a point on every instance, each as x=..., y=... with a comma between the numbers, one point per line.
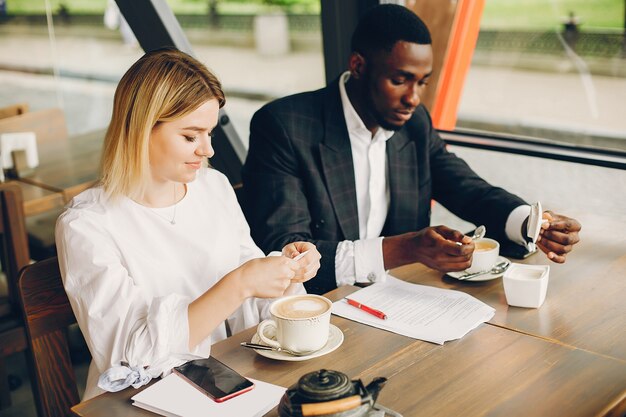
x=130, y=274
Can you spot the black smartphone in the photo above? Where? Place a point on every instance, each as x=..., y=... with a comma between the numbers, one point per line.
x=214, y=379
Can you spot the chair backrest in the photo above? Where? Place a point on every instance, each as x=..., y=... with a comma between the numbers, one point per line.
x=48, y=125
x=15, y=253
x=47, y=313
x=14, y=248
x=13, y=110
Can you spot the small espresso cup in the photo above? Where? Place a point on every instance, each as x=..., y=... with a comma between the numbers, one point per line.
x=485, y=255
x=300, y=323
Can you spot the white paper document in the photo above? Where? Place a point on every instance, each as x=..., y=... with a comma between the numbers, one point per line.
x=174, y=397
x=427, y=313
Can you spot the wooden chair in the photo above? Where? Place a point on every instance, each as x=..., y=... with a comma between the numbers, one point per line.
x=48, y=314
x=14, y=257
x=49, y=125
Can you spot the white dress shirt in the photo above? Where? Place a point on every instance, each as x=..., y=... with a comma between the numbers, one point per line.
x=362, y=260
x=130, y=274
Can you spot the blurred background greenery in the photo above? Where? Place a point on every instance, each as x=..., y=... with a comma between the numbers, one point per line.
x=509, y=14
x=178, y=6
x=546, y=14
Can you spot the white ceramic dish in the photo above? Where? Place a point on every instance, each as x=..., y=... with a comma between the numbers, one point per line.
x=484, y=277
x=335, y=339
x=526, y=285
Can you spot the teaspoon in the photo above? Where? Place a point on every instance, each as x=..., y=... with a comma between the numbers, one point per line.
x=497, y=269
x=276, y=349
x=479, y=233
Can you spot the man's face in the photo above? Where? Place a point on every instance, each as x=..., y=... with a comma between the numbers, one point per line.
x=394, y=82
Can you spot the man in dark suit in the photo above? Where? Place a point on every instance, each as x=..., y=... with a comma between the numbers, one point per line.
x=360, y=159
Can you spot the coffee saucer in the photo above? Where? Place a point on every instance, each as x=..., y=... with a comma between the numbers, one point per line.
x=483, y=277
x=335, y=339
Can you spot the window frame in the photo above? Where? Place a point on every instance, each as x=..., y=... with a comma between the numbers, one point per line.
x=602, y=157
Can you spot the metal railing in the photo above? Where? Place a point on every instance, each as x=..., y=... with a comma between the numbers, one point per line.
x=607, y=158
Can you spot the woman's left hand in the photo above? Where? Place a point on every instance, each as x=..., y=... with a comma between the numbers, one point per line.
x=308, y=264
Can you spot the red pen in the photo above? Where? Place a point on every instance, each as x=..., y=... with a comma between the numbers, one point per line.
x=367, y=309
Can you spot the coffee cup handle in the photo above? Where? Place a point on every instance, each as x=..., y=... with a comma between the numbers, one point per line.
x=261, y=332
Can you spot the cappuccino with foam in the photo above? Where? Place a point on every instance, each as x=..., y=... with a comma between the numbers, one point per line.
x=302, y=307
x=299, y=323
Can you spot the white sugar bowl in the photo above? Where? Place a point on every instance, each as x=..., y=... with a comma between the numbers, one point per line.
x=526, y=285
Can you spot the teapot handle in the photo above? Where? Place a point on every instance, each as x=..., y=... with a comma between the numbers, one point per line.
x=330, y=407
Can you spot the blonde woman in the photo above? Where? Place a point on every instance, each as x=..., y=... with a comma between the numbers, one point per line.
x=159, y=255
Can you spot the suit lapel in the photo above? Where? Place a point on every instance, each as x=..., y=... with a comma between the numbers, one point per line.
x=337, y=164
x=403, y=184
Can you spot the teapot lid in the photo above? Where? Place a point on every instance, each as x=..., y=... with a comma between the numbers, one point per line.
x=324, y=385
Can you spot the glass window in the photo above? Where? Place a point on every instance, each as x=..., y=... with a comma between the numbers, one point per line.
x=575, y=190
x=259, y=50
x=550, y=70
x=71, y=59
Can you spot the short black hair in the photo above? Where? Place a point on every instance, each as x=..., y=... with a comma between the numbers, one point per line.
x=384, y=25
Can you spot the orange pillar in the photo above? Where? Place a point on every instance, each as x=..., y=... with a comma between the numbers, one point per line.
x=461, y=46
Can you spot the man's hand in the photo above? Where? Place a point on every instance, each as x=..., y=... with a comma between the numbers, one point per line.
x=437, y=247
x=558, y=236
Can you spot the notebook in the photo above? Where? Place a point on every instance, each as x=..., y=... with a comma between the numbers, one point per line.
x=174, y=397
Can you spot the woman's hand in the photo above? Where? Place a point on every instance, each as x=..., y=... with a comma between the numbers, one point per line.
x=267, y=277
x=307, y=264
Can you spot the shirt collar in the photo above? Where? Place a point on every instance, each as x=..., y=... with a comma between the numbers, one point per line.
x=354, y=123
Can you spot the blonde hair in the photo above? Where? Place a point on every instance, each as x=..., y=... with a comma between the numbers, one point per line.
x=161, y=86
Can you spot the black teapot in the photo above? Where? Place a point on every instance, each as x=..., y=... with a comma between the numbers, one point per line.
x=331, y=394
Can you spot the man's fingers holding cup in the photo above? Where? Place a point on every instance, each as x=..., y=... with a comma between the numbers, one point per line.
x=451, y=234
x=455, y=266
x=452, y=242
x=465, y=249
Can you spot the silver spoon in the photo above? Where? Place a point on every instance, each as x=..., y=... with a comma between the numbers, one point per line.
x=496, y=269
x=276, y=349
x=479, y=233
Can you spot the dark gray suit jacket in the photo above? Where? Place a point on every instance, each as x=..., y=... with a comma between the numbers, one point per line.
x=299, y=179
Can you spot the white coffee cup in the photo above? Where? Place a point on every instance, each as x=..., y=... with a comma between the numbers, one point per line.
x=485, y=255
x=299, y=323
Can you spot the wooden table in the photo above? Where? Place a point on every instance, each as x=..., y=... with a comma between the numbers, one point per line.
x=585, y=306
x=68, y=167
x=494, y=370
